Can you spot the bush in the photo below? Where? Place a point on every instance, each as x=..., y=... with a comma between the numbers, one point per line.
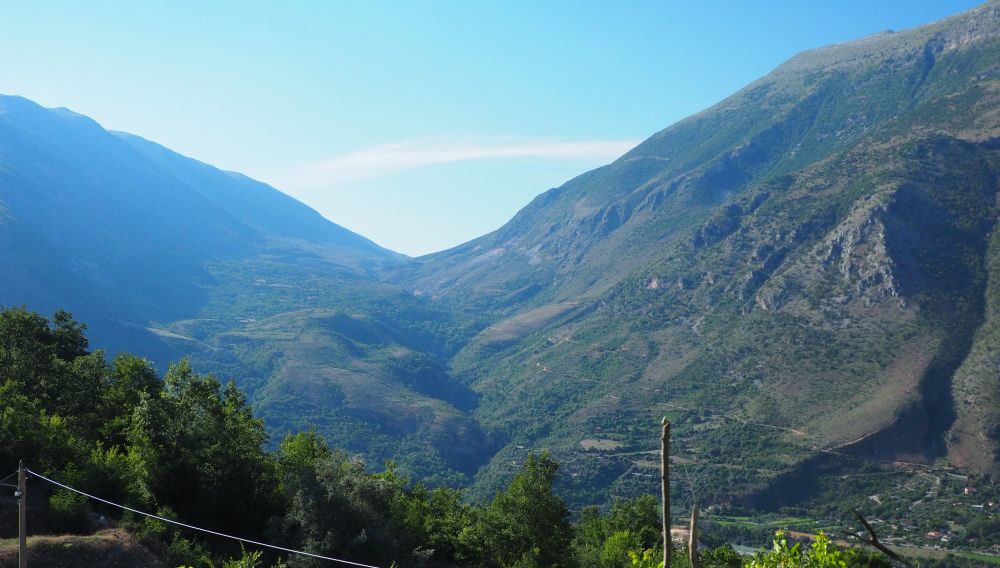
x=68, y=512
x=821, y=554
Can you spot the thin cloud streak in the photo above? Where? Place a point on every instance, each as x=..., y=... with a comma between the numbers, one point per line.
x=379, y=161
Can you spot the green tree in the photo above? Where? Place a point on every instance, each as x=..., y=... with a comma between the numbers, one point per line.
x=446, y=520
x=131, y=379
x=36, y=355
x=28, y=431
x=69, y=336
x=337, y=508
x=527, y=524
x=203, y=452
x=27, y=351
x=604, y=541
x=721, y=557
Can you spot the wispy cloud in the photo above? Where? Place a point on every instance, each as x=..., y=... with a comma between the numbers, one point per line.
x=378, y=161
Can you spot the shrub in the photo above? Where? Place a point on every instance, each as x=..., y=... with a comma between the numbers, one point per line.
x=68, y=512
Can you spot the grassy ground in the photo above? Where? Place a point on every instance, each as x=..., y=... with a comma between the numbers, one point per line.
x=113, y=548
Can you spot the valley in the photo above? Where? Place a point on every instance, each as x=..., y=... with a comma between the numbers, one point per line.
x=803, y=278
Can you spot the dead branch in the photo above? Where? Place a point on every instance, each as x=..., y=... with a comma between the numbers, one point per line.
x=874, y=542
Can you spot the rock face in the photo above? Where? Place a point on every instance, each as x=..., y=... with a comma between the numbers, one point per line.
x=858, y=250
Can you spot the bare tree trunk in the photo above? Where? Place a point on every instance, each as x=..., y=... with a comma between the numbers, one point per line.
x=665, y=488
x=693, y=538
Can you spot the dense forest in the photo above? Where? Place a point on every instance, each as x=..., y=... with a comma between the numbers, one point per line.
x=188, y=447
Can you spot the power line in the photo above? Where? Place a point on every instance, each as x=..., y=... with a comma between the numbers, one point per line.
x=192, y=527
x=2, y=481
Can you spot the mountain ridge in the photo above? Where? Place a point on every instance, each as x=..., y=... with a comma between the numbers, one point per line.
x=800, y=199
x=168, y=257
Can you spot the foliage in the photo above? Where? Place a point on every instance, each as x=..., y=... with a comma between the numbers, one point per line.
x=248, y=559
x=820, y=554
x=336, y=506
x=721, y=557
x=67, y=512
x=526, y=525
x=203, y=452
x=645, y=559
x=607, y=540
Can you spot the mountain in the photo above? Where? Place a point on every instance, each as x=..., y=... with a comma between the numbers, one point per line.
x=123, y=229
x=167, y=257
x=801, y=276
x=810, y=265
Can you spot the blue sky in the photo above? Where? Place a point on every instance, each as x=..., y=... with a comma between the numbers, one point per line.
x=418, y=124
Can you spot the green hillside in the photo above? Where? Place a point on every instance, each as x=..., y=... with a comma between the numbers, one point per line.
x=807, y=265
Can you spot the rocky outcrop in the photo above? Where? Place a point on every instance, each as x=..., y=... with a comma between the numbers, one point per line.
x=857, y=249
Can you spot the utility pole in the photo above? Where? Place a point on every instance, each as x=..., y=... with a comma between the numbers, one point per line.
x=22, y=516
x=665, y=489
x=693, y=538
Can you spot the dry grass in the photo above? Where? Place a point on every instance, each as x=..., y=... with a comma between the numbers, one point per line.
x=525, y=324
x=872, y=411
x=113, y=548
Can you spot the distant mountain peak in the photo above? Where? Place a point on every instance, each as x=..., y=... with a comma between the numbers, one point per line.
x=92, y=216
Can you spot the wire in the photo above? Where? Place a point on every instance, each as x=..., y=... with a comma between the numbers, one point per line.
x=9, y=476
x=192, y=527
x=687, y=477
